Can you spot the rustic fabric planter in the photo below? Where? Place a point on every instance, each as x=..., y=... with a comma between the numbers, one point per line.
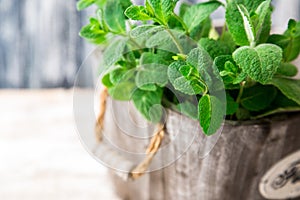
x=231, y=171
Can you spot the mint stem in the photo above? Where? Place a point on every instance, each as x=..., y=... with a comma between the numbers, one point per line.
x=182, y=23
x=176, y=42
x=238, y=100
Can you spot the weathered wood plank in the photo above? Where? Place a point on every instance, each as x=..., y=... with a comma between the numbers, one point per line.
x=231, y=171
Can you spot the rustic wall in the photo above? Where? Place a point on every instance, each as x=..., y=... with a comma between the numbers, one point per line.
x=39, y=43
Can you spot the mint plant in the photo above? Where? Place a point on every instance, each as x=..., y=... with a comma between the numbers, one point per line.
x=152, y=52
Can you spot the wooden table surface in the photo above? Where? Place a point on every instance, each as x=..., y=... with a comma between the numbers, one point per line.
x=41, y=157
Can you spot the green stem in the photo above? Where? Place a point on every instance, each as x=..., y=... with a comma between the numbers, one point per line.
x=135, y=43
x=176, y=42
x=238, y=100
x=182, y=23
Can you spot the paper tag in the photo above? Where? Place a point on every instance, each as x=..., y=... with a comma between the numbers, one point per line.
x=283, y=179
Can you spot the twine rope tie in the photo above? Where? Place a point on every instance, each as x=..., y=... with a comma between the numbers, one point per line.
x=100, y=119
x=152, y=149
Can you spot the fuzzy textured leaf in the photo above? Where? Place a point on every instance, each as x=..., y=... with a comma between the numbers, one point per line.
x=114, y=51
x=260, y=63
x=151, y=74
x=215, y=48
x=289, y=87
x=287, y=69
x=263, y=22
x=210, y=114
x=202, y=61
x=235, y=21
x=117, y=74
x=149, y=104
x=122, y=91
x=145, y=31
x=258, y=97
x=198, y=13
x=114, y=17
x=93, y=32
x=152, y=71
x=164, y=41
x=248, y=27
x=82, y=4
x=106, y=81
x=293, y=33
x=161, y=9
x=188, y=109
x=190, y=85
x=232, y=106
x=137, y=13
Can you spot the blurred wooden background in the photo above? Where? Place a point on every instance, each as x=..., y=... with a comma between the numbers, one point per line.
x=40, y=46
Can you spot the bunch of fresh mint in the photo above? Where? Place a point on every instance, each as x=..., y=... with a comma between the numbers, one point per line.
x=152, y=53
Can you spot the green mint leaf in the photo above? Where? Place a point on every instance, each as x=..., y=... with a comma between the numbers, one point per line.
x=281, y=104
x=215, y=48
x=210, y=114
x=101, y=20
x=175, y=22
x=234, y=19
x=220, y=62
x=189, y=109
x=230, y=72
x=259, y=63
x=258, y=97
x=228, y=41
x=130, y=60
x=281, y=101
x=292, y=51
x=198, y=13
x=202, y=30
x=82, y=4
x=145, y=85
x=137, y=13
x=287, y=69
x=151, y=74
x=117, y=75
x=149, y=58
x=145, y=31
x=125, y=4
x=201, y=60
x=93, y=32
x=279, y=40
x=149, y=104
x=183, y=9
x=122, y=91
x=163, y=40
x=114, y=17
x=123, y=84
x=152, y=71
x=161, y=10
x=290, y=46
x=248, y=27
x=289, y=87
x=263, y=22
x=240, y=78
x=106, y=81
x=231, y=106
x=114, y=51
x=293, y=28
x=100, y=3
x=187, y=83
